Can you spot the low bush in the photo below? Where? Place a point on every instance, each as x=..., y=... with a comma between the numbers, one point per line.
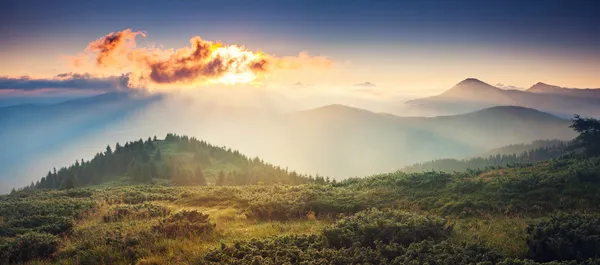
x=386, y=226
x=29, y=246
x=313, y=249
x=185, y=224
x=136, y=212
x=39, y=223
x=565, y=237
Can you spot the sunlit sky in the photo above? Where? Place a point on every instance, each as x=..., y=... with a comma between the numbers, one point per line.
x=412, y=45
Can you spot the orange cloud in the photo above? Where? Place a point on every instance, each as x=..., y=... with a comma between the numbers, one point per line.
x=201, y=63
x=110, y=47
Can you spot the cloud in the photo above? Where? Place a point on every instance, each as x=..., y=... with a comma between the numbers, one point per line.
x=365, y=84
x=203, y=62
x=113, y=45
x=83, y=81
x=509, y=87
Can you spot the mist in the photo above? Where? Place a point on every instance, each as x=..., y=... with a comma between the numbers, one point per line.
x=305, y=132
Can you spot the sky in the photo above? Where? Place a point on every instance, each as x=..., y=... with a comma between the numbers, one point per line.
x=413, y=46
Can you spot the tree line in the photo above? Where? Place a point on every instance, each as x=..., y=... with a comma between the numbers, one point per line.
x=143, y=161
x=555, y=150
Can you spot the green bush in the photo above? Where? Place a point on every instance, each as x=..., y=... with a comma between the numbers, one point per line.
x=138, y=211
x=386, y=226
x=313, y=249
x=185, y=224
x=565, y=237
x=29, y=246
x=40, y=223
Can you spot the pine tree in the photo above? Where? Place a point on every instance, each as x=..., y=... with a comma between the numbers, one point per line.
x=199, y=176
x=158, y=155
x=181, y=176
x=134, y=171
x=68, y=183
x=152, y=169
x=149, y=144
x=220, y=179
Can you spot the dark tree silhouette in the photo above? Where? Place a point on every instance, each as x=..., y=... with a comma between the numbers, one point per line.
x=588, y=140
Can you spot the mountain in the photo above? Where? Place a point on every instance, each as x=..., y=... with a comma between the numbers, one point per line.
x=500, y=157
x=340, y=141
x=477, y=90
x=30, y=130
x=543, y=88
x=178, y=160
x=334, y=140
x=520, y=148
x=472, y=94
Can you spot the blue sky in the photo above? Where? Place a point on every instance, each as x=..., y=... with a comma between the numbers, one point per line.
x=529, y=41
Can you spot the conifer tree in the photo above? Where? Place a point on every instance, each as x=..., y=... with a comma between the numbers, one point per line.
x=158, y=155
x=220, y=179
x=68, y=182
x=199, y=176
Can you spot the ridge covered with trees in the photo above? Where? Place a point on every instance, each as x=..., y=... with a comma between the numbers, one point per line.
x=501, y=157
x=179, y=160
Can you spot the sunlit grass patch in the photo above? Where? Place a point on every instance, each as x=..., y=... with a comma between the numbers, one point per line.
x=505, y=234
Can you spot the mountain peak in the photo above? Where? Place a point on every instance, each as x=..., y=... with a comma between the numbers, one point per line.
x=471, y=80
x=541, y=87
x=471, y=87
x=473, y=83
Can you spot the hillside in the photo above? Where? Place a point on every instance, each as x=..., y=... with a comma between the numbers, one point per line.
x=33, y=129
x=500, y=216
x=341, y=142
x=472, y=94
x=576, y=92
x=520, y=148
x=500, y=157
x=176, y=160
x=335, y=141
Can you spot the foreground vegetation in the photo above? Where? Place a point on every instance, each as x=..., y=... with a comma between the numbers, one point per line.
x=505, y=216
x=538, y=213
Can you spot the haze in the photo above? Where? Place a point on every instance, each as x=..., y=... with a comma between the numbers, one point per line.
x=340, y=89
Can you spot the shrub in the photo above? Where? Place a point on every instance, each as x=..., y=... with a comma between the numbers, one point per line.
x=49, y=224
x=139, y=211
x=446, y=252
x=25, y=247
x=565, y=237
x=185, y=224
x=313, y=249
x=386, y=226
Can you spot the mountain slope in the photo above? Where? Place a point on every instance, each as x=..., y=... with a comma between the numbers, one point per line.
x=34, y=129
x=543, y=88
x=499, y=157
x=178, y=160
x=472, y=94
x=342, y=141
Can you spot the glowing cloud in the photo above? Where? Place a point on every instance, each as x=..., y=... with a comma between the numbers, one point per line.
x=203, y=62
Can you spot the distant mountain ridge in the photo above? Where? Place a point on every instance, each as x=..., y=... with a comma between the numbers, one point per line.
x=508, y=155
x=472, y=94
x=334, y=140
x=336, y=136
x=577, y=92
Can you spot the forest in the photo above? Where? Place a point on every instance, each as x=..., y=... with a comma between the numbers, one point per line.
x=509, y=155
x=176, y=159
x=543, y=212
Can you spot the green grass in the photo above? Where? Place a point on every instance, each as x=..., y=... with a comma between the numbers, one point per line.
x=491, y=208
